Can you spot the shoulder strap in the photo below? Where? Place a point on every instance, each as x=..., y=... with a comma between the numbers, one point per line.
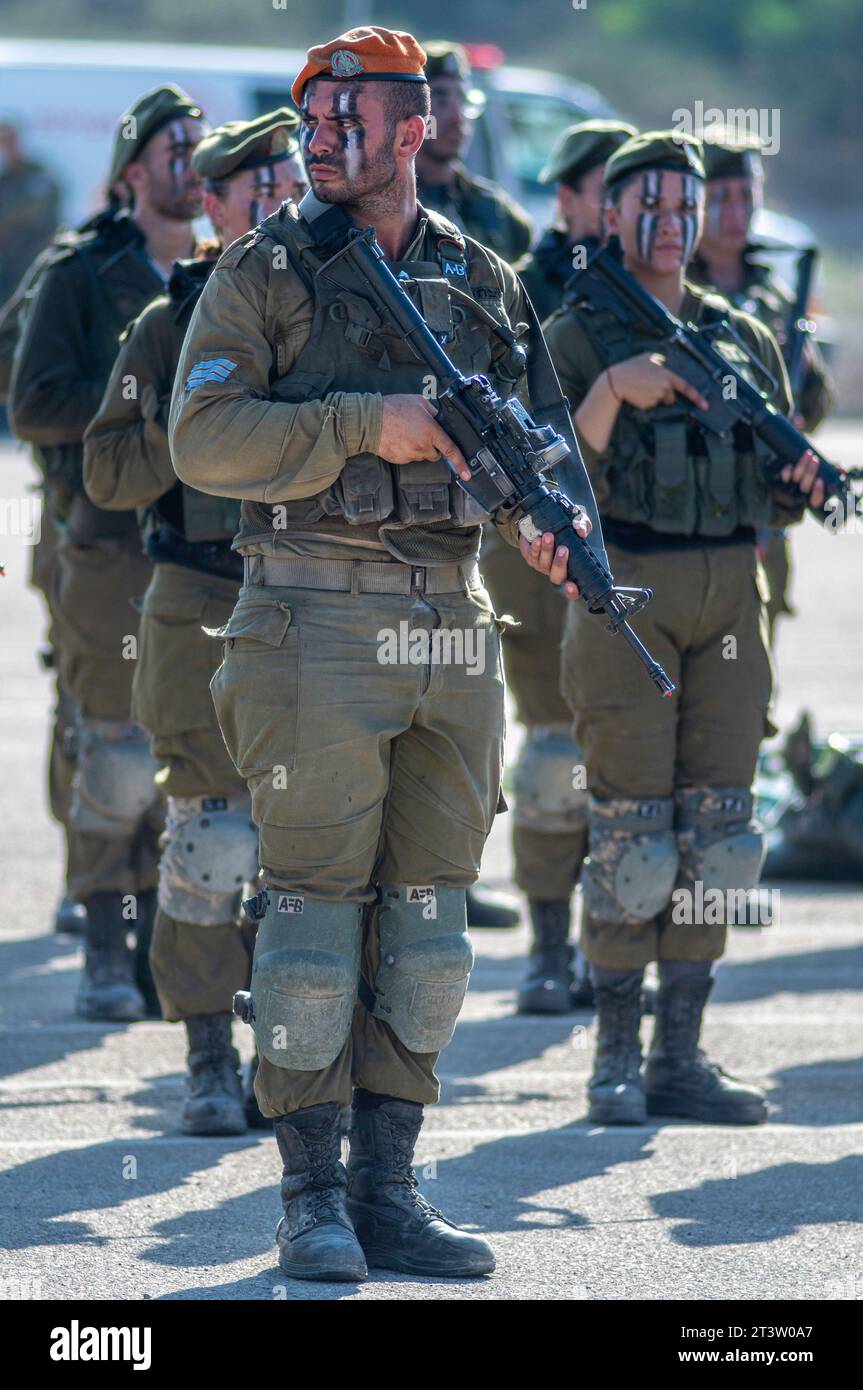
x=549, y=406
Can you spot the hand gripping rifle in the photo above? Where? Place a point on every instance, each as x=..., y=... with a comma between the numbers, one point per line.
x=690, y=350
x=507, y=452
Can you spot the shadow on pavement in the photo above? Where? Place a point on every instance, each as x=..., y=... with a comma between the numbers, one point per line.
x=803, y=972
x=819, y=1093
x=756, y=1207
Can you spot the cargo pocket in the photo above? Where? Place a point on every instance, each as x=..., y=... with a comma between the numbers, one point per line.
x=176, y=659
x=256, y=690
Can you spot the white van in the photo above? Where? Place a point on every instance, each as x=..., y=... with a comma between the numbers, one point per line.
x=66, y=99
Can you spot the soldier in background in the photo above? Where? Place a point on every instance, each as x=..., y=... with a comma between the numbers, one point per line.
x=549, y=813
x=84, y=297
x=576, y=166
x=200, y=954
x=669, y=780
x=480, y=207
x=728, y=260
x=29, y=210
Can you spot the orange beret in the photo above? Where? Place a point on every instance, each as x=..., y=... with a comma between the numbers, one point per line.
x=373, y=52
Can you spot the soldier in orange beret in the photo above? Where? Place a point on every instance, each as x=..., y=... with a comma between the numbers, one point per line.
x=374, y=775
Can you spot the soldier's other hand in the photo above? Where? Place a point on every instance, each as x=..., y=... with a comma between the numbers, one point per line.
x=541, y=555
x=409, y=431
x=645, y=381
x=805, y=474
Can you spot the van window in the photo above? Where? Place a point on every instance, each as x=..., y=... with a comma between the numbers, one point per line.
x=534, y=122
x=266, y=99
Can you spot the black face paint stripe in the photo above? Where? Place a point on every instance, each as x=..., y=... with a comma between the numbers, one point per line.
x=646, y=229
x=688, y=231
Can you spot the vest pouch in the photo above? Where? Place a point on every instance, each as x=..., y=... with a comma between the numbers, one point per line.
x=464, y=509
x=423, y=491
x=207, y=518
x=719, y=511
x=359, y=321
x=756, y=460
x=363, y=492
x=674, y=507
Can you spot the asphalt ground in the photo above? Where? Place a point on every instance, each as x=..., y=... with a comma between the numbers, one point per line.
x=102, y=1197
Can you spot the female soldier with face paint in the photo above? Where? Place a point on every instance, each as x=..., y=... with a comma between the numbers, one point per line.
x=669, y=780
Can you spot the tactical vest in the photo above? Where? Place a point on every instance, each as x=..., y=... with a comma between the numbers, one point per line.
x=351, y=348
x=184, y=525
x=665, y=470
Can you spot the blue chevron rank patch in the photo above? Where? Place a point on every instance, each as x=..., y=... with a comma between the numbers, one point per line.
x=212, y=369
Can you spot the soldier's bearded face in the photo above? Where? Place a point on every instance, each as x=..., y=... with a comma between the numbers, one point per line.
x=659, y=220
x=171, y=187
x=347, y=141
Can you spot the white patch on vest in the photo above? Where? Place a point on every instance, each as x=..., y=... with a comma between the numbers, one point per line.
x=290, y=902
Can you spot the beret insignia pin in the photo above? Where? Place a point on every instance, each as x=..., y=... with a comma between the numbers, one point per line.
x=343, y=63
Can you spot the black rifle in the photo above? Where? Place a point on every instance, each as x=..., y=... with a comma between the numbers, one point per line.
x=507, y=452
x=690, y=351
x=799, y=327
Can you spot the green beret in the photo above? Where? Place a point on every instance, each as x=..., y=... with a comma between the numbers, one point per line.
x=656, y=149
x=583, y=147
x=728, y=155
x=446, y=60
x=240, y=145
x=142, y=121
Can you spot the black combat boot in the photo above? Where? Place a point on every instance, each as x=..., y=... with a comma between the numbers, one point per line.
x=255, y=1117
x=550, y=979
x=214, y=1091
x=615, y=1089
x=678, y=1078
x=486, y=908
x=396, y=1226
x=107, y=990
x=70, y=918
x=146, y=909
x=315, y=1236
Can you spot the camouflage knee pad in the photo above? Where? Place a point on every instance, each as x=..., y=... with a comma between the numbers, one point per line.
x=549, y=792
x=209, y=851
x=630, y=874
x=113, y=787
x=425, y=963
x=717, y=842
x=305, y=976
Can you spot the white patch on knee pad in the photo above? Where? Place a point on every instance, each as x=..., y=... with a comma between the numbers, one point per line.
x=207, y=857
x=113, y=786
x=549, y=784
x=305, y=976
x=425, y=964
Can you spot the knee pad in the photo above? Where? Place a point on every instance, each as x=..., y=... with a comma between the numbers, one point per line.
x=719, y=845
x=545, y=798
x=113, y=786
x=426, y=960
x=209, y=850
x=630, y=874
x=304, y=978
